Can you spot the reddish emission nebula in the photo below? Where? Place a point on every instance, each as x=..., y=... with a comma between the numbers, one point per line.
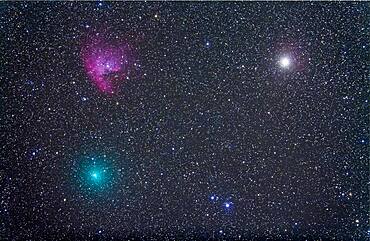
x=106, y=62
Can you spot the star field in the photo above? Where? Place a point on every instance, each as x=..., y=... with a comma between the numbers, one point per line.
x=184, y=121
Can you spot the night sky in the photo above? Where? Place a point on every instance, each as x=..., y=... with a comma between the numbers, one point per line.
x=184, y=121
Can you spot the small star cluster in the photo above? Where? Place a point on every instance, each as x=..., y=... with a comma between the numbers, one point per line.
x=184, y=121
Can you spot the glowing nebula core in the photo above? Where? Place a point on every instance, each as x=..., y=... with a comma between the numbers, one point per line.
x=107, y=63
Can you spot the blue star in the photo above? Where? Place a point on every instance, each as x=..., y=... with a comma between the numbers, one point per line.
x=214, y=197
x=102, y=5
x=34, y=153
x=228, y=205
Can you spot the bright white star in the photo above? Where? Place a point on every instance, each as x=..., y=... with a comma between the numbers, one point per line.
x=285, y=62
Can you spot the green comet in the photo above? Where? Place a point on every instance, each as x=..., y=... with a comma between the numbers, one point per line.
x=95, y=174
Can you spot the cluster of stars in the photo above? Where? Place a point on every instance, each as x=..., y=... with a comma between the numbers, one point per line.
x=184, y=120
x=226, y=204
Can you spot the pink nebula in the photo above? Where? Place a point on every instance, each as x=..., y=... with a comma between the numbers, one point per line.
x=107, y=63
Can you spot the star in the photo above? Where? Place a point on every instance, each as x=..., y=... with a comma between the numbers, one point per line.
x=285, y=62
x=214, y=197
x=228, y=204
x=130, y=121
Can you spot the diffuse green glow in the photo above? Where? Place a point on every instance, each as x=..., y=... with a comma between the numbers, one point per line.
x=95, y=173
